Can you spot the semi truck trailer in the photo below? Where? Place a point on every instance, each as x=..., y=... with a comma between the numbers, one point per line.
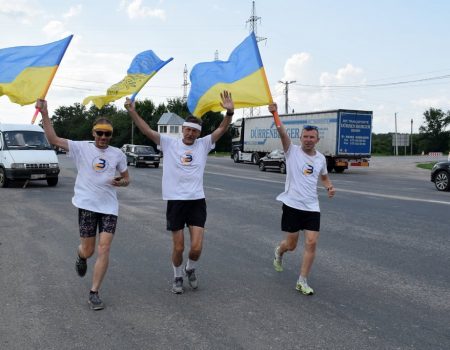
x=345, y=136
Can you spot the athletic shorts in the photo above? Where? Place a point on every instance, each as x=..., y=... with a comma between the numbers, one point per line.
x=89, y=221
x=181, y=213
x=294, y=220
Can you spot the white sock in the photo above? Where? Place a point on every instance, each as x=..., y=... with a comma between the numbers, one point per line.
x=302, y=279
x=177, y=270
x=191, y=264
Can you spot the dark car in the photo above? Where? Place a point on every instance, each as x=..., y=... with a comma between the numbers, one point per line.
x=274, y=160
x=140, y=155
x=440, y=175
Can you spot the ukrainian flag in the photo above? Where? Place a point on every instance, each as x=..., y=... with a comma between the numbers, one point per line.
x=243, y=75
x=143, y=67
x=27, y=71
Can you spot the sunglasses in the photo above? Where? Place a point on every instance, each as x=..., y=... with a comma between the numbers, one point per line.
x=310, y=127
x=101, y=133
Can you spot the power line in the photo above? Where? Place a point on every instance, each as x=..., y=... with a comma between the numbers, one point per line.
x=377, y=85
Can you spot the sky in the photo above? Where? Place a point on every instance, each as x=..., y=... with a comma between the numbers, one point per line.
x=388, y=56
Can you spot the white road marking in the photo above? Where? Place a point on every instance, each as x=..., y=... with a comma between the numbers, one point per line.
x=404, y=198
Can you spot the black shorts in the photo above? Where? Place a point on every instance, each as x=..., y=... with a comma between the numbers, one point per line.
x=181, y=213
x=89, y=221
x=294, y=220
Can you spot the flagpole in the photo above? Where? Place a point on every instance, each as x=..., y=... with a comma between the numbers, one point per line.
x=44, y=93
x=36, y=112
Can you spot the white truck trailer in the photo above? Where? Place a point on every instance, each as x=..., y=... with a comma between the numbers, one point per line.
x=345, y=136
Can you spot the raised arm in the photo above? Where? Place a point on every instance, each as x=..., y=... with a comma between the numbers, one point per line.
x=285, y=140
x=228, y=104
x=48, y=127
x=140, y=123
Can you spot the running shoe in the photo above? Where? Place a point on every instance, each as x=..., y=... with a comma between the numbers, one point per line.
x=95, y=302
x=192, y=278
x=278, y=261
x=177, y=286
x=80, y=266
x=304, y=288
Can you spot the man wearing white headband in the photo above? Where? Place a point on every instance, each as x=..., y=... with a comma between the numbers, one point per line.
x=182, y=185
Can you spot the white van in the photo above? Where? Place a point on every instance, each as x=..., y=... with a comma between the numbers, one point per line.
x=25, y=154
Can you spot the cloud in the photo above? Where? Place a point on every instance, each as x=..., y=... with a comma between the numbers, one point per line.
x=73, y=11
x=54, y=29
x=296, y=67
x=435, y=102
x=20, y=10
x=136, y=10
x=307, y=94
x=346, y=75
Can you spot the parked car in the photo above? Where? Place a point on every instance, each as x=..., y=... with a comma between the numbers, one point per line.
x=274, y=160
x=440, y=175
x=141, y=155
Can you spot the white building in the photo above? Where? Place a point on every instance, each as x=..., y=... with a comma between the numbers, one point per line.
x=170, y=124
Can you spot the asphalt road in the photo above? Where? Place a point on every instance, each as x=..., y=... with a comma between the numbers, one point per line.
x=381, y=273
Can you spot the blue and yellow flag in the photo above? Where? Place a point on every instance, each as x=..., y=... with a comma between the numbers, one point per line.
x=243, y=75
x=27, y=71
x=143, y=67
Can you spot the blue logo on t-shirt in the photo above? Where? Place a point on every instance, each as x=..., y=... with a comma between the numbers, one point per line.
x=308, y=169
x=186, y=159
x=99, y=164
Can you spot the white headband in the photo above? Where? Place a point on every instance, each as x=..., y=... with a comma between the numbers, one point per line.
x=193, y=126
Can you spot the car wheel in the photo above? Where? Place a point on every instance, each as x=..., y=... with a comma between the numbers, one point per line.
x=283, y=168
x=236, y=157
x=441, y=181
x=261, y=166
x=4, y=182
x=156, y=165
x=52, y=181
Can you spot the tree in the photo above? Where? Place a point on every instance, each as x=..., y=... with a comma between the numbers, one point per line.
x=178, y=106
x=435, y=122
x=433, y=136
x=211, y=120
x=382, y=144
x=72, y=122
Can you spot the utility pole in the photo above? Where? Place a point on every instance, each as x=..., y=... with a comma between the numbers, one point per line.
x=132, y=132
x=411, y=136
x=253, y=21
x=216, y=55
x=185, y=83
x=286, y=92
x=396, y=143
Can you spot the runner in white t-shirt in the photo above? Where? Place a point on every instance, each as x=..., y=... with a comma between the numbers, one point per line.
x=182, y=185
x=95, y=194
x=304, y=165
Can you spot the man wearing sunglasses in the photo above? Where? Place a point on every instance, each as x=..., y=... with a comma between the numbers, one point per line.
x=95, y=194
x=182, y=185
x=304, y=165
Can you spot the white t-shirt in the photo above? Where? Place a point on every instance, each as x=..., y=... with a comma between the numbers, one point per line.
x=96, y=170
x=183, y=167
x=300, y=191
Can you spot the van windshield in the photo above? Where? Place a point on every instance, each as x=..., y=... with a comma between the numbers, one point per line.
x=21, y=139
